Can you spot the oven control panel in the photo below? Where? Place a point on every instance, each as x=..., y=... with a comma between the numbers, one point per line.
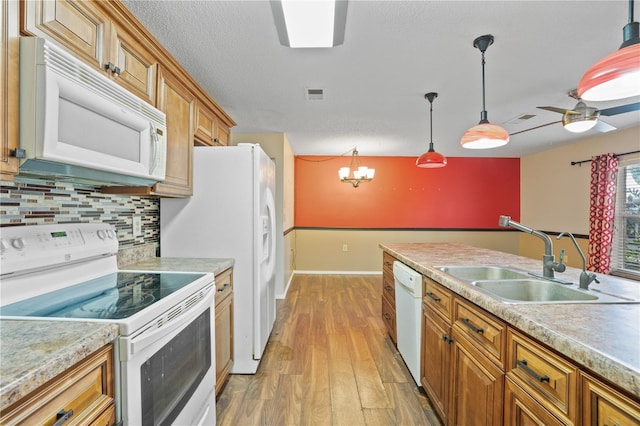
x=38, y=246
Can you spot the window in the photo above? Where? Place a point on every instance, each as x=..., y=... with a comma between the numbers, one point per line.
x=625, y=257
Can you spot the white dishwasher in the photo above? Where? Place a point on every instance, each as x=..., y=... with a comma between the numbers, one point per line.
x=408, y=285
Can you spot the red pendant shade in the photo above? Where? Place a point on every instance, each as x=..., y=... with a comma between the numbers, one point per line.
x=431, y=160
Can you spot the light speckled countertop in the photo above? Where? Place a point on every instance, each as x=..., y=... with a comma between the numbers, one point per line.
x=34, y=352
x=181, y=264
x=604, y=338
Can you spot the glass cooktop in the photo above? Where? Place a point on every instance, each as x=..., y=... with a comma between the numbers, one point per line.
x=114, y=296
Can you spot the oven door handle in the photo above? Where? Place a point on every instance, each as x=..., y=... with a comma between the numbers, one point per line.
x=139, y=342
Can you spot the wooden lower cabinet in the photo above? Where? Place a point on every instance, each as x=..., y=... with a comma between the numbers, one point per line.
x=224, y=327
x=85, y=393
x=476, y=386
x=520, y=409
x=602, y=405
x=389, y=297
x=435, y=357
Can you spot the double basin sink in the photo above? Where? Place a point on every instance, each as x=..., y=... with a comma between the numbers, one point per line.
x=510, y=285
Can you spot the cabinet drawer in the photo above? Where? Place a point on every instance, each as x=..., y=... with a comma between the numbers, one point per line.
x=438, y=298
x=388, y=288
x=224, y=285
x=86, y=389
x=602, y=405
x=545, y=375
x=486, y=332
x=389, y=318
x=387, y=264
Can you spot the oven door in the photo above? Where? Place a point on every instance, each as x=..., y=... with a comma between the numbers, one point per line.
x=168, y=373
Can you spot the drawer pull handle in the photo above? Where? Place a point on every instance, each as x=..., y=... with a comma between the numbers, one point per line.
x=467, y=322
x=388, y=288
x=433, y=296
x=387, y=316
x=224, y=287
x=62, y=416
x=523, y=364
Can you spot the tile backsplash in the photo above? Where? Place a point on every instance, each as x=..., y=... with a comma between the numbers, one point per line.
x=39, y=202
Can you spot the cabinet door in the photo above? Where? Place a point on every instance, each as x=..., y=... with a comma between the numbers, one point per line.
x=520, y=409
x=602, y=405
x=205, y=125
x=224, y=340
x=9, y=48
x=435, y=354
x=136, y=66
x=177, y=102
x=222, y=134
x=77, y=25
x=477, y=386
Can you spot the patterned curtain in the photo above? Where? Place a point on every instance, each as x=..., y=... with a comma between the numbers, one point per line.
x=604, y=174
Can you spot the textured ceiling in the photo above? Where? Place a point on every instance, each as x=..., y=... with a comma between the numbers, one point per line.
x=394, y=52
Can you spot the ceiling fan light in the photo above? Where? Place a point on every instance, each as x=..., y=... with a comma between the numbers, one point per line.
x=431, y=160
x=578, y=123
x=484, y=136
x=616, y=76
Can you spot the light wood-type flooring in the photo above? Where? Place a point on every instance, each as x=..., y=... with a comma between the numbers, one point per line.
x=329, y=361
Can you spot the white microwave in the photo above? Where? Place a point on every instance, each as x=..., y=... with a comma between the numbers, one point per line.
x=76, y=124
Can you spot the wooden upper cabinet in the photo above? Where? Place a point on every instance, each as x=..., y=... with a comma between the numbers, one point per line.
x=133, y=66
x=178, y=103
x=9, y=90
x=209, y=128
x=86, y=30
x=76, y=25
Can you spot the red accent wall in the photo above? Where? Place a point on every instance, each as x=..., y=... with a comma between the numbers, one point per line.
x=467, y=193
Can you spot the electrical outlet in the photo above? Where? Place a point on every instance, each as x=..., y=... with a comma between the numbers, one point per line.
x=345, y=247
x=137, y=226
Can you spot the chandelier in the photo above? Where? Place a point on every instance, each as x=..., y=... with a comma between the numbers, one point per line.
x=356, y=173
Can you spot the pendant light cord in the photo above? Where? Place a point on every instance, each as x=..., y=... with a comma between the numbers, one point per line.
x=483, y=114
x=630, y=11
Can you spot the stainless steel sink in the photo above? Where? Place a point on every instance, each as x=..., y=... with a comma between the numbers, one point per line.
x=532, y=290
x=511, y=285
x=481, y=272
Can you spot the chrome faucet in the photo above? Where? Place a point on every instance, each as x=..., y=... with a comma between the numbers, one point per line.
x=585, y=277
x=549, y=265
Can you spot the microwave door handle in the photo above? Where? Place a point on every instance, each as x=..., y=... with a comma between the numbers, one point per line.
x=154, y=153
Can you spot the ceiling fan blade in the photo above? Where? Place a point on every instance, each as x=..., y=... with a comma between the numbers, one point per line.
x=620, y=109
x=603, y=127
x=534, y=128
x=558, y=110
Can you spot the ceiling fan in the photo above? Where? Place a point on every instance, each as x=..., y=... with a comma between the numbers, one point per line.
x=583, y=117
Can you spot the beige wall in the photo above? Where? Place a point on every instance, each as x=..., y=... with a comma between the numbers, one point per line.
x=322, y=250
x=555, y=195
x=277, y=147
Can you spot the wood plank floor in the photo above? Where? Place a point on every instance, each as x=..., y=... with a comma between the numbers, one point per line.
x=328, y=361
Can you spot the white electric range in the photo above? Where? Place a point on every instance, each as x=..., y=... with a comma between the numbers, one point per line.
x=165, y=355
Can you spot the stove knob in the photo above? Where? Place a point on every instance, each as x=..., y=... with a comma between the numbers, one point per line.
x=101, y=234
x=3, y=246
x=18, y=243
x=110, y=234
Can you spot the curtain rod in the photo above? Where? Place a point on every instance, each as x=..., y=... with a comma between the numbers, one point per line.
x=573, y=163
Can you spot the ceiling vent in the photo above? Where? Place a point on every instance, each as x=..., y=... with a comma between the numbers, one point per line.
x=314, y=94
x=520, y=119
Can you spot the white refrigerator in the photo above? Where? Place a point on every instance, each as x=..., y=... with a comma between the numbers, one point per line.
x=231, y=215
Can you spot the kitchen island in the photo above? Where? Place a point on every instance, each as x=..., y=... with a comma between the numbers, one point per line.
x=602, y=338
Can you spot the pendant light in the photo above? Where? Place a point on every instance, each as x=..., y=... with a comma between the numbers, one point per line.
x=485, y=134
x=431, y=159
x=617, y=75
